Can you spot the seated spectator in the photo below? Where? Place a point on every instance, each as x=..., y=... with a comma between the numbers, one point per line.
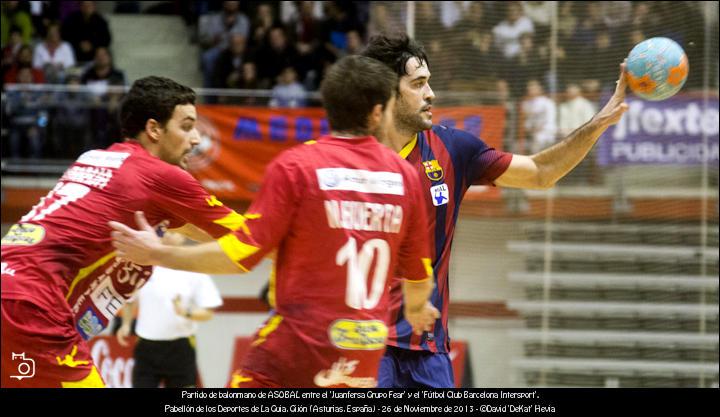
x=540, y=13
x=86, y=30
x=538, y=112
x=262, y=23
x=228, y=68
x=13, y=16
x=575, y=111
x=103, y=116
x=11, y=48
x=508, y=32
x=71, y=121
x=529, y=63
x=305, y=29
x=53, y=56
x=27, y=118
x=215, y=30
x=288, y=92
x=340, y=19
x=103, y=72
x=23, y=60
x=277, y=54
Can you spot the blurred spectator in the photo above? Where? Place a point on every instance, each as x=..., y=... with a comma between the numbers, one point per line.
x=530, y=63
x=575, y=111
x=540, y=12
x=272, y=58
x=616, y=14
x=452, y=11
x=288, y=92
x=305, y=28
x=86, y=30
x=12, y=15
x=103, y=73
x=53, y=56
x=263, y=21
x=355, y=42
x=428, y=27
x=538, y=113
x=508, y=32
x=591, y=22
x=603, y=60
x=70, y=124
x=103, y=116
x=340, y=19
x=567, y=21
x=11, y=48
x=382, y=21
x=228, y=68
x=23, y=60
x=28, y=118
x=289, y=10
x=215, y=30
x=473, y=20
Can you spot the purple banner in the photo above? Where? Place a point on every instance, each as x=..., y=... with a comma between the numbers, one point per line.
x=669, y=132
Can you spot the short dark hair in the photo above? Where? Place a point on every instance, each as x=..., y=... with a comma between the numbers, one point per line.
x=395, y=51
x=352, y=87
x=152, y=98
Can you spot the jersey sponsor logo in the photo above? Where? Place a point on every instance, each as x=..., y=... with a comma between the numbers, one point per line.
x=104, y=159
x=212, y=201
x=24, y=234
x=360, y=215
x=69, y=360
x=6, y=270
x=89, y=324
x=433, y=170
x=106, y=299
x=440, y=194
x=94, y=177
x=360, y=180
x=358, y=335
x=115, y=369
x=340, y=373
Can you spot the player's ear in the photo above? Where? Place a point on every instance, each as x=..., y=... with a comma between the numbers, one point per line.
x=375, y=117
x=152, y=129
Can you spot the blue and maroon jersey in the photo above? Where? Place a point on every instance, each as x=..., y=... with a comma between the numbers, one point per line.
x=449, y=162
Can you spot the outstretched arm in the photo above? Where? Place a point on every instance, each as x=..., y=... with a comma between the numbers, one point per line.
x=144, y=247
x=542, y=170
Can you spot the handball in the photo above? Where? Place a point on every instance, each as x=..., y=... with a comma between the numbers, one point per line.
x=656, y=69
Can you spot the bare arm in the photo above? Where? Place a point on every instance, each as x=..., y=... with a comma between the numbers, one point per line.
x=542, y=170
x=193, y=232
x=420, y=313
x=192, y=313
x=144, y=247
x=128, y=313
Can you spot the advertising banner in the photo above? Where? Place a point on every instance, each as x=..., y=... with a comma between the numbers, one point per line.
x=239, y=142
x=678, y=131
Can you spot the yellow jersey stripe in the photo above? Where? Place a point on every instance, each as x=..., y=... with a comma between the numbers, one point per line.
x=84, y=272
x=93, y=380
x=270, y=327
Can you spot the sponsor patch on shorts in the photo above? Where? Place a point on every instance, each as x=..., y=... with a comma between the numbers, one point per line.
x=358, y=335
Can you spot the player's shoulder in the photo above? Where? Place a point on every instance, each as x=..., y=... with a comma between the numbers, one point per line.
x=450, y=133
x=457, y=142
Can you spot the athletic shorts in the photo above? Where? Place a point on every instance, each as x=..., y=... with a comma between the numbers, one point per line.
x=170, y=361
x=404, y=368
x=291, y=354
x=42, y=349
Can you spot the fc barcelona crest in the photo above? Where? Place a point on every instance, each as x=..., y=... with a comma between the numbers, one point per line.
x=433, y=170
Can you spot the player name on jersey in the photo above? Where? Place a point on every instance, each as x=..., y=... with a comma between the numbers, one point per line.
x=360, y=215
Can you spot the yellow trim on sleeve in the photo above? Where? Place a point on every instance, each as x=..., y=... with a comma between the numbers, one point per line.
x=235, y=221
x=93, y=380
x=238, y=378
x=272, y=285
x=310, y=142
x=236, y=250
x=84, y=272
x=428, y=266
x=405, y=151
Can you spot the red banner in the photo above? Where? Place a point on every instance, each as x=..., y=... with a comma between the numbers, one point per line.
x=238, y=142
x=113, y=361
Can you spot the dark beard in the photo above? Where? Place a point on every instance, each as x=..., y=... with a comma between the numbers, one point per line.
x=410, y=123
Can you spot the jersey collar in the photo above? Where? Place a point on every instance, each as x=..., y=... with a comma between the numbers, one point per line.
x=405, y=151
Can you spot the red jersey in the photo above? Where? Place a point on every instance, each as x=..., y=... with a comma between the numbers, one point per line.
x=62, y=248
x=344, y=218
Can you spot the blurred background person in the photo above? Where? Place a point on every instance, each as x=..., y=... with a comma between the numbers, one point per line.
x=169, y=308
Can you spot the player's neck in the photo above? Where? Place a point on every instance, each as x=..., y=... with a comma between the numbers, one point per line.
x=345, y=134
x=395, y=139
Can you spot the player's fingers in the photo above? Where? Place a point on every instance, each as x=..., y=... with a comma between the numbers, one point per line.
x=120, y=227
x=622, y=79
x=142, y=222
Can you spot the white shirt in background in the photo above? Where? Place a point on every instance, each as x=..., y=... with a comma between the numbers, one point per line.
x=574, y=113
x=539, y=113
x=157, y=319
x=507, y=35
x=63, y=56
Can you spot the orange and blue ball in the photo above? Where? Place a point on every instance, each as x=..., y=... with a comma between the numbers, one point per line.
x=657, y=68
